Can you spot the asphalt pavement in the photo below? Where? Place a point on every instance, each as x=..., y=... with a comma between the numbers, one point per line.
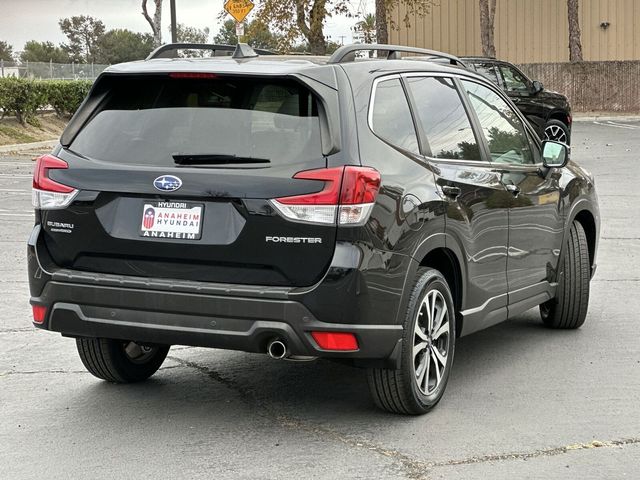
x=522, y=401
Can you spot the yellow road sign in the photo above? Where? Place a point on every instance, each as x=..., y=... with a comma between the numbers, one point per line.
x=238, y=9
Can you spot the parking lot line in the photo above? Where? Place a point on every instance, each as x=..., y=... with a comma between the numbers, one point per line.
x=635, y=127
x=618, y=125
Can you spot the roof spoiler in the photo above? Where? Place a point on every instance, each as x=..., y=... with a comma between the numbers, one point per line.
x=347, y=53
x=241, y=50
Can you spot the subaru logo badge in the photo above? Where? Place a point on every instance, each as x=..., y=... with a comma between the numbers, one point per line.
x=167, y=183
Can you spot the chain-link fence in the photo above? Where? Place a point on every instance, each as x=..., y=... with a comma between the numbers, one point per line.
x=592, y=86
x=50, y=70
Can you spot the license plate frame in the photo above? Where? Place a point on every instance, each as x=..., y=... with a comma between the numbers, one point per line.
x=171, y=220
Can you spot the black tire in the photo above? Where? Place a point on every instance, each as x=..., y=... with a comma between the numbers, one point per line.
x=558, y=131
x=108, y=359
x=397, y=391
x=568, y=309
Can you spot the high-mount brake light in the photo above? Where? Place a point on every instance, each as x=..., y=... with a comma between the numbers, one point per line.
x=47, y=194
x=192, y=75
x=347, y=198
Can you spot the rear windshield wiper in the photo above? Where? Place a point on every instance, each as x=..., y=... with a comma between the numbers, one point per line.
x=215, y=159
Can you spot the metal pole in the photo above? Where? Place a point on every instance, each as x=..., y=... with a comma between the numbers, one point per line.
x=174, y=36
x=2, y=68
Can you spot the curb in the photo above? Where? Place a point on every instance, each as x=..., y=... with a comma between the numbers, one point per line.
x=607, y=118
x=19, y=147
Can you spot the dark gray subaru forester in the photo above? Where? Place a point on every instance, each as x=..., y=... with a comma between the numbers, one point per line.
x=366, y=210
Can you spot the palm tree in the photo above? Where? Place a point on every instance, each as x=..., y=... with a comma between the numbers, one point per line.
x=367, y=28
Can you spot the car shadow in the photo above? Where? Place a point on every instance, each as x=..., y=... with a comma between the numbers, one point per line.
x=215, y=382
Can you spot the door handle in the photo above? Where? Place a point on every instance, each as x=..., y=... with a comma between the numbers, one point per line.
x=451, y=192
x=513, y=189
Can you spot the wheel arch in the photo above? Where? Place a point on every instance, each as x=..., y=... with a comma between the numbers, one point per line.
x=588, y=222
x=445, y=261
x=587, y=214
x=441, y=252
x=560, y=115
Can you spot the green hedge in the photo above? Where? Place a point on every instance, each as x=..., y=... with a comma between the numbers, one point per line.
x=65, y=96
x=23, y=98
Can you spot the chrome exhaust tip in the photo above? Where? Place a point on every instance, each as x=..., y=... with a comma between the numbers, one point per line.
x=277, y=349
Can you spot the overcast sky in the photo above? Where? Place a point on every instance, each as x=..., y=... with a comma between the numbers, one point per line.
x=23, y=20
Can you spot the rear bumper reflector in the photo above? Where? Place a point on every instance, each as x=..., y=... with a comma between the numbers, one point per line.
x=39, y=313
x=339, y=341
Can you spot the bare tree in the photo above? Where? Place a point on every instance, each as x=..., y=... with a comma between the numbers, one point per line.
x=382, y=28
x=155, y=22
x=487, y=20
x=575, y=44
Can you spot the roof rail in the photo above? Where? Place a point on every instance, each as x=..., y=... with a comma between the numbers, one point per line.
x=480, y=57
x=242, y=50
x=346, y=53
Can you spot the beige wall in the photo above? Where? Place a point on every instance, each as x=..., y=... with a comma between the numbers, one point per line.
x=526, y=31
x=609, y=86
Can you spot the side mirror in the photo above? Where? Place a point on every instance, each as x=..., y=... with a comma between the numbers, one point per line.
x=554, y=154
x=537, y=86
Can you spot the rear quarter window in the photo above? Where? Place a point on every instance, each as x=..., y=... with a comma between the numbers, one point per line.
x=391, y=117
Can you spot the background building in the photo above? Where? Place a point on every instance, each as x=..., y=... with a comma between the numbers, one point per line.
x=526, y=31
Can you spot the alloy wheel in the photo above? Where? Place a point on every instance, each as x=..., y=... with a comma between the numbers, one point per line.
x=431, y=342
x=555, y=133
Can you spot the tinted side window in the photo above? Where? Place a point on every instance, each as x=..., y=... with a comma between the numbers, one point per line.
x=391, y=118
x=443, y=117
x=513, y=80
x=488, y=70
x=505, y=133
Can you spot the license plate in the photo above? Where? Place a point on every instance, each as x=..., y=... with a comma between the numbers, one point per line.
x=174, y=220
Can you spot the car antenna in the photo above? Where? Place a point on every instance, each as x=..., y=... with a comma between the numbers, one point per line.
x=243, y=51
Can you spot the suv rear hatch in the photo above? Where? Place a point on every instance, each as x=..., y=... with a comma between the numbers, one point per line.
x=177, y=173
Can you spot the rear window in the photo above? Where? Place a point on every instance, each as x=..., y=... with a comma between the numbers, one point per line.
x=151, y=120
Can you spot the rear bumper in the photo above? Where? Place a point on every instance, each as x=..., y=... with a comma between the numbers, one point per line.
x=228, y=322
x=228, y=316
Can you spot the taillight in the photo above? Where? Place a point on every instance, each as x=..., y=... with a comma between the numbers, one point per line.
x=348, y=197
x=49, y=194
